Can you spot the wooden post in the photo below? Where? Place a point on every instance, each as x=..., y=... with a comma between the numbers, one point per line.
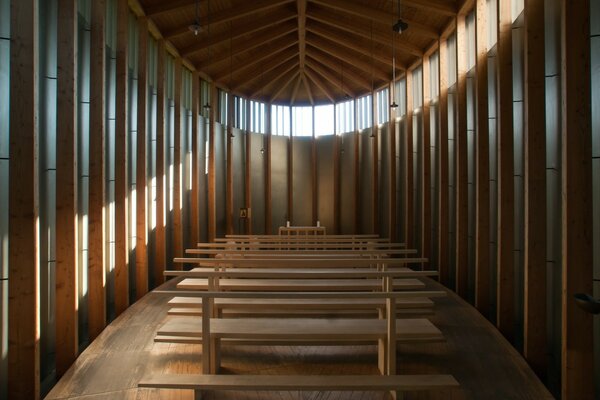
x=375, y=150
x=229, y=168
x=426, y=164
x=177, y=171
x=195, y=193
x=357, y=202
x=96, y=213
x=577, y=271
x=314, y=167
x=121, y=163
x=443, y=165
x=267, y=161
x=482, y=170
x=23, y=284
x=248, y=173
x=212, y=210
x=160, y=261
x=462, y=193
x=336, y=176
x=290, y=173
x=506, y=202
x=534, y=337
x=67, y=249
x=393, y=232
x=141, y=177
x=408, y=166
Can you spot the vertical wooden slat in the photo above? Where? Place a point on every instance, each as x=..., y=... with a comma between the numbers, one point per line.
x=426, y=164
x=375, y=149
x=195, y=193
x=336, y=176
x=229, y=168
x=212, y=207
x=577, y=256
x=314, y=168
x=462, y=200
x=67, y=249
x=160, y=257
x=443, y=166
x=482, y=169
x=121, y=163
x=23, y=284
x=248, y=173
x=177, y=167
x=357, y=202
x=141, y=172
x=392, y=234
x=408, y=164
x=506, y=202
x=267, y=161
x=96, y=213
x=534, y=337
x=290, y=173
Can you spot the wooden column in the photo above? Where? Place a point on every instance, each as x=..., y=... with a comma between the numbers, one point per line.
x=160, y=256
x=482, y=162
x=336, y=175
x=357, y=202
x=248, y=172
x=67, y=249
x=506, y=202
x=267, y=161
x=534, y=337
x=195, y=193
x=141, y=171
x=426, y=165
x=393, y=232
x=290, y=173
x=212, y=207
x=408, y=164
x=121, y=162
x=375, y=150
x=314, y=167
x=229, y=168
x=443, y=166
x=577, y=270
x=23, y=283
x=462, y=192
x=177, y=170
x=96, y=213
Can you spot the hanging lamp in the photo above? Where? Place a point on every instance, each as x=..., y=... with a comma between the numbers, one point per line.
x=196, y=27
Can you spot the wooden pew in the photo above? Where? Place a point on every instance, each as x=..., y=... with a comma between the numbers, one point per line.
x=300, y=262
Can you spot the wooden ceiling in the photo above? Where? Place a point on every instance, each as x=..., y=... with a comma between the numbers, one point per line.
x=300, y=51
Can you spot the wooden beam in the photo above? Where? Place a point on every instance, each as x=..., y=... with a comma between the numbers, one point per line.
x=577, y=367
x=482, y=154
x=239, y=31
x=239, y=10
x=336, y=175
x=375, y=154
x=426, y=164
x=122, y=162
x=212, y=206
x=177, y=224
x=286, y=82
x=392, y=211
x=23, y=284
x=318, y=60
x=356, y=157
x=290, y=172
x=314, y=178
x=267, y=164
x=165, y=7
x=141, y=186
x=316, y=80
x=301, y=11
x=505, y=317
x=443, y=167
x=437, y=7
x=347, y=55
x=229, y=168
x=67, y=249
x=96, y=213
x=461, y=148
x=266, y=71
x=308, y=89
x=374, y=14
x=160, y=256
x=281, y=72
x=295, y=91
x=380, y=36
x=196, y=162
x=408, y=164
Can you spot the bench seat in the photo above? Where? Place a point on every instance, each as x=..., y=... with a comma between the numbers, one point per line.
x=300, y=382
x=299, y=284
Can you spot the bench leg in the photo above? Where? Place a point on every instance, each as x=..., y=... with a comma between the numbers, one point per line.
x=215, y=356
x=198, y=394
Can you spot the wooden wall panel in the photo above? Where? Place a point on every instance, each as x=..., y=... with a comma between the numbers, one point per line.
x=534, y=335
x=229, y=168
x=96, y=214
x=393, y=229
x=23, y=284
x=482, y=162
x=408, y=164
x=141, y=170
x=248, y=172
x=443, y=166
x=67, y=250
x=212, y=209
x=426, y=164
x=121, y=162
x=356, y=157
x=196, y=160
x=577, y=266
x=177, y=224
x=505, y=312
x=375, y=132
x=160, y=256
x=461, y=148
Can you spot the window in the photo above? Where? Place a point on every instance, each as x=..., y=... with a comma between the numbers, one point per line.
x=344, y=117
x=434, y=72
x=400, y=94
x=417, y=88
x=364, y=117
x=280, y=120
x=222, y=114
x=302, y=121
x=383, y=106
x=324, y=120
x=257, y=117
x=239, y=112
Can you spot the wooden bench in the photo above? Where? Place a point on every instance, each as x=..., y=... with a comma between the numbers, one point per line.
x=324, y=252
x=294, y=262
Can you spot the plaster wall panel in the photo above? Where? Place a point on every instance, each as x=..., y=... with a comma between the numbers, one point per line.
x=302, y=181
x=325, y=181
x=279, y=181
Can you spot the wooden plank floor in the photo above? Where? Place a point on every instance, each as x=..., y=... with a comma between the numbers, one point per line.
x=485, y=365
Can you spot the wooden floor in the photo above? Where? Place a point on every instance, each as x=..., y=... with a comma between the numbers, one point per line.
x=484, y=364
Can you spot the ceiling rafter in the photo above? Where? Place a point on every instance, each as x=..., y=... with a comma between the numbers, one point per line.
x=296, y=87
x=286, y=62
x=242, y=9
x=245, y=29
x=316, y=80
x=378, y=35
x=327, y=61
x=275, y=76
x=345, y=54
x=284, y=85
x=330, y=77
x=167, y=6
x=377, y=15
x=434, y=6
x=301, y=7
x=308, y=89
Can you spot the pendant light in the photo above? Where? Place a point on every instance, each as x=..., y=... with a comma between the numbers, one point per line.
x=196, y=27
